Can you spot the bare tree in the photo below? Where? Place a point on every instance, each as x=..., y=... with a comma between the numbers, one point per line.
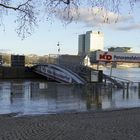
x=26, y=14
x=28, y=11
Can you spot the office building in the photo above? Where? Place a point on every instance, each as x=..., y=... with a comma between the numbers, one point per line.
x=91, y=41
x=81, y=44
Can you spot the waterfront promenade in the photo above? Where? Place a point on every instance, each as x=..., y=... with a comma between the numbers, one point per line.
x=101, y=125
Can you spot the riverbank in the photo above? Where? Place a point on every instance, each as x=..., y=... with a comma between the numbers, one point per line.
x=101, y=125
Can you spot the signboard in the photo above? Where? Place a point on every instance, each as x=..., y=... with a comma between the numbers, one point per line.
x=94, y=76
x=117, y=57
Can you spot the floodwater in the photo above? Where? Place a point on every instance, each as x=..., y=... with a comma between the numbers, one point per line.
x=41, y=97
x=132, y=74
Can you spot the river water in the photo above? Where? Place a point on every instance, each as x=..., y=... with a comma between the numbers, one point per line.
x=132, y=74
x=27, y=97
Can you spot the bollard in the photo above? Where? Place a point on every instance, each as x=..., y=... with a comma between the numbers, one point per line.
x=127, y=90
x=139, y=89
x=123, y=86
x=127, y=86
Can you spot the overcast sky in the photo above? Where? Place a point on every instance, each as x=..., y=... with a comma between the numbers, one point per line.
x=119, y=30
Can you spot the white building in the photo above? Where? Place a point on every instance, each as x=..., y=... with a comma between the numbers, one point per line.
x=91, y=41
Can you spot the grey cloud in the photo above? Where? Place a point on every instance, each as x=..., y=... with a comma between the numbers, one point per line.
x=129, y=27
x=92, y=16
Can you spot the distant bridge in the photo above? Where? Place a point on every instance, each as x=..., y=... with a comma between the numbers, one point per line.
x=58, y=73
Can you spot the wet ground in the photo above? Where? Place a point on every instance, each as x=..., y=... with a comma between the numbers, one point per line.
x=100, y=125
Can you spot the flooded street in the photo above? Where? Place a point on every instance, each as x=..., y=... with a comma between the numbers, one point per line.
x=40, y=97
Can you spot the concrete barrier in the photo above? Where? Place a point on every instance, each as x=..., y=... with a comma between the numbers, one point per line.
x=17, y=73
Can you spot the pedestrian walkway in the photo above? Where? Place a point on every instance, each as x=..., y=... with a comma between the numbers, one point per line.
x=105, y=125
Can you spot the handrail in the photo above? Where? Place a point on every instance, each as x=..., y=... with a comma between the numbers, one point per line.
x=50, y=71
x=119, y=85
x=75, y=74
x=122, y=79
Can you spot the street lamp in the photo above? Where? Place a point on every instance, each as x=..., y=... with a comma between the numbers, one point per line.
x=58, y=45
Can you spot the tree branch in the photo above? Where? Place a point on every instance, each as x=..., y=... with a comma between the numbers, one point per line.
x=66, y=1
x=18, y=8
x=8, y=7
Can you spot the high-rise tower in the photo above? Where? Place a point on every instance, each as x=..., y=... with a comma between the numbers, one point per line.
x=91, y=41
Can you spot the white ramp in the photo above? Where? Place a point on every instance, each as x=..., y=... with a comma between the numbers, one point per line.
x=58, y=73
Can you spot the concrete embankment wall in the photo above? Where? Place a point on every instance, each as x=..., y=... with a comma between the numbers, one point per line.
x=17, y=73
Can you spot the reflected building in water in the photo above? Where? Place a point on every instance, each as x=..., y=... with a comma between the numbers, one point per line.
x=29, y=97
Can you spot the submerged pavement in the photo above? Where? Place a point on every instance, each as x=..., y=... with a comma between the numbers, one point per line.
x=101, y=125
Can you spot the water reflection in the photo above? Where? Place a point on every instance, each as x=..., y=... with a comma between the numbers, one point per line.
x=29, y=97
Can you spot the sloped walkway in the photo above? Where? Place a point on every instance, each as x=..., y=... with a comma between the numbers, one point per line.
x=115, y=82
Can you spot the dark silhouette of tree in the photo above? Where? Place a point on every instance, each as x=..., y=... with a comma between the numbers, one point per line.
x=28, y=11
x=26, y=14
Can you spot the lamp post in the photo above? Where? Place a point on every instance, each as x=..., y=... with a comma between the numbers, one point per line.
x=58, y=45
